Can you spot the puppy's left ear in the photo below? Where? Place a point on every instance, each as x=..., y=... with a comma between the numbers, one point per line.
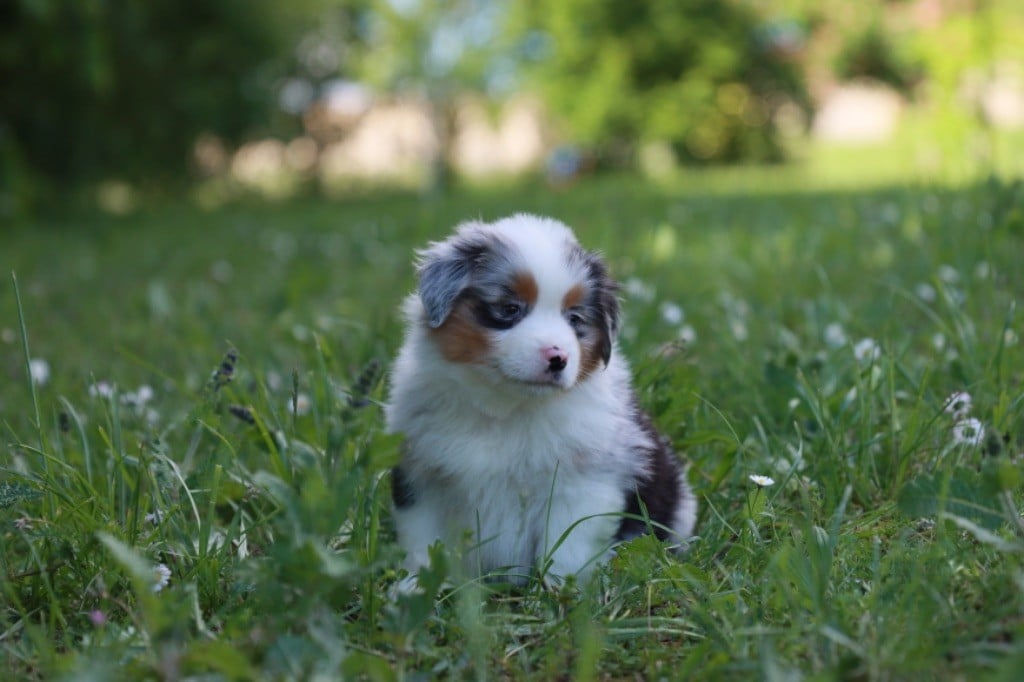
x=604, y=300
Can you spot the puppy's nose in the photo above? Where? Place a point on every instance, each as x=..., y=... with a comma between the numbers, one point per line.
x=557, y=358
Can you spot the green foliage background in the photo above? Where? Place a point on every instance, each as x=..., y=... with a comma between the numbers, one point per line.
x=692, y=74
x=124, y=87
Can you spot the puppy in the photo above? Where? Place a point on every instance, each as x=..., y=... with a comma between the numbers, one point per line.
x=520, y=422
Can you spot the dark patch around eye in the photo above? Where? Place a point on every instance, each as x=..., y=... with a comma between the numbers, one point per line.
x=503, y=314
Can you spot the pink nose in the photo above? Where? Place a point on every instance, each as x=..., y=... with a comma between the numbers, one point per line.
x=556, y=357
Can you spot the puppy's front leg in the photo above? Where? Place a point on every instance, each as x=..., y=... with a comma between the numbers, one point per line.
x=580, y=527
x=420, y=522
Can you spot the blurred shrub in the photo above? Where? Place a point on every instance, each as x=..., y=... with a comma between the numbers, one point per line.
x=872, y=53
x=703, y=76
x=93, y=88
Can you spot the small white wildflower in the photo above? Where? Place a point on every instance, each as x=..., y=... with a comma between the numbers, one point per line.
x=301, y=404
x=161, y=577
x=968, y=432
x=274, y=381
x=144, y=394
x=948, y=274
x=958, y=404
x=671, y=313
x=938, y=341
x=1010, y=337
x=762, y=481
x=793, y=404
x=40, y=371
x=23, y=523
x=687, y=334
x=154, y=518
x=739, y=330
x=866, y=350
x=982, y=270
x=638, y=289
x=101, y=389
x=890, y=213
x=835, y=337
x=222, y=271
x=139, y=398
x=925, y=292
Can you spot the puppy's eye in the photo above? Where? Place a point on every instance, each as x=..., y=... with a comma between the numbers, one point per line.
x=510, y=310
x=576, y=319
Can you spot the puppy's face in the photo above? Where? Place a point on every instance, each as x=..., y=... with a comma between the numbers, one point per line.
x=522, y=299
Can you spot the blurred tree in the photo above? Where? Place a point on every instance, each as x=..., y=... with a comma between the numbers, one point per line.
x=873, y=53
x=94, y=88
x=436, y=50
x=704, y=76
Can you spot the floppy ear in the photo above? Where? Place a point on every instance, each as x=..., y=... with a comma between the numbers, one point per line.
x=445, y=271
x=605, y=302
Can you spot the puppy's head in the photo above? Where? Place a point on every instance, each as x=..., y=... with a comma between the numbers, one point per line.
x=519, y=297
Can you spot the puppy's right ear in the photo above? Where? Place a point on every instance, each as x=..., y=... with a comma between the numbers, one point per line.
x=445, y=271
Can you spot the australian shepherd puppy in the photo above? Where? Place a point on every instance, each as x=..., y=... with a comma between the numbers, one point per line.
x=520, y=422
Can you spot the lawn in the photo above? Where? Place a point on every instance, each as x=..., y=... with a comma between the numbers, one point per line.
x=192, y=485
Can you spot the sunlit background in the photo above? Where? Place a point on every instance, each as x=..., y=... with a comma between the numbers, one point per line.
x=233, y=97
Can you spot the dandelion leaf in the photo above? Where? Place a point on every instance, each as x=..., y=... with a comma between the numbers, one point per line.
x=964, y=495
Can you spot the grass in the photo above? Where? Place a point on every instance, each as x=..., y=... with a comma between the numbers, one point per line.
x=212, y=406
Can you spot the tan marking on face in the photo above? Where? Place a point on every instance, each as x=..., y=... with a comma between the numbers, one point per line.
x=574, y=297
x=525, y=288
x=460, y=338
x=590, y=355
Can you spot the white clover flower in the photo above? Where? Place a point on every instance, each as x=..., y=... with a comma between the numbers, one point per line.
x=222, y=271
x=139, y=398
x=144, y=394
x=687, y=334
x=274, y=380
x=101, y=389
x=671, y=313
x=739, y=330
x=40, y=371
x=835, y=337
x=638, y=289
x=866, y=350
x=948, y=274
x=970, y=432
x=301, y=404
x=762, y=481
x=958, y=404
x=925, y=292
x=161, y=577
x=890, y=213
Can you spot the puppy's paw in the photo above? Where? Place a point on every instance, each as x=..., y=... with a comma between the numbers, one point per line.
x=407, y=586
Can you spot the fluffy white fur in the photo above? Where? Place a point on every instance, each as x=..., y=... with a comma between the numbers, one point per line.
x=501, y=447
